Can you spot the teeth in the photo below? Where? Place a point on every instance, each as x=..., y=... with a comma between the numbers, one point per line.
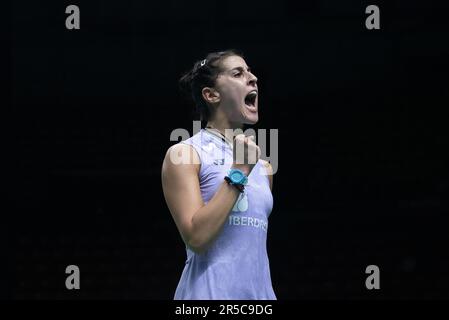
x=252, y=93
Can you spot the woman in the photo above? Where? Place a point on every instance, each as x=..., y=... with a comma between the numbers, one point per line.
x=219, y=200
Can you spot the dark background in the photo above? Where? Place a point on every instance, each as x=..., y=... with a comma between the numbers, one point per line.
x=361, y=116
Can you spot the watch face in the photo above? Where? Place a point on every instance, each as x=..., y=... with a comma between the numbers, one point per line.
x=236, y=176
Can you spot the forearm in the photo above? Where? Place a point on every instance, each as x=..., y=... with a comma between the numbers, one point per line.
x=208, y=221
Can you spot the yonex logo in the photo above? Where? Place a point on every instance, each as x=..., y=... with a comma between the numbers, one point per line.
x=219, y=162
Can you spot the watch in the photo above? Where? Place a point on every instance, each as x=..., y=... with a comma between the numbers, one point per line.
x=237, y=178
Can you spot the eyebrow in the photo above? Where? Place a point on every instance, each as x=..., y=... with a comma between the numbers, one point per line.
x=241, y=69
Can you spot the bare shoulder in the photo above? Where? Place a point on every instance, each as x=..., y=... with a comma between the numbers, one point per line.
x=180, y=147
x=179, y=156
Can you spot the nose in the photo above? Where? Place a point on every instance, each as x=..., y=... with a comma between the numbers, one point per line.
x=252, y=79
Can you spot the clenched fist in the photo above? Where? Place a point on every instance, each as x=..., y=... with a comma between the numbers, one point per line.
x=246, y=153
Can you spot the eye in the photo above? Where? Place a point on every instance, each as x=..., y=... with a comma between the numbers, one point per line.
x=237, y=74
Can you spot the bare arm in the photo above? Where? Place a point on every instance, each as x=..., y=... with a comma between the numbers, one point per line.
x=198, y=224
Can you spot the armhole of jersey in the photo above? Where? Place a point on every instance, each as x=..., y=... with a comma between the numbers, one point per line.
x=266, y=173
x=198, y=152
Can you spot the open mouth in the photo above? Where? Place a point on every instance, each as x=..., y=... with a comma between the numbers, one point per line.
x=250, y=99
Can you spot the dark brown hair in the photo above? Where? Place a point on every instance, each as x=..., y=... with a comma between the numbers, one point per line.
x=204, y=74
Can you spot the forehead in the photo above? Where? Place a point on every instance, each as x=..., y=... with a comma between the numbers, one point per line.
x=232, y=62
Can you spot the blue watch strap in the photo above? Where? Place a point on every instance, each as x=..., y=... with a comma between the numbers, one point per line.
x=240, y=187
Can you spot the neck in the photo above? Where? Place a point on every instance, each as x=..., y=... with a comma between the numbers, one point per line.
x=221, y=127
x=222, y=124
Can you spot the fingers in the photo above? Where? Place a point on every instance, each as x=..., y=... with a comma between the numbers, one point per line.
x=246, y=151
x=244, y=140
x=242, y=137
x=250, y=139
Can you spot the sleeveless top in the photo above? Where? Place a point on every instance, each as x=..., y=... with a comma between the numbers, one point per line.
x=236, y=265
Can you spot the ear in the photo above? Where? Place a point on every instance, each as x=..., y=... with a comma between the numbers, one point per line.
x=210, y=95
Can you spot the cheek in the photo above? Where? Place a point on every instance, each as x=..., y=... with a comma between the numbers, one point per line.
x=230, y=92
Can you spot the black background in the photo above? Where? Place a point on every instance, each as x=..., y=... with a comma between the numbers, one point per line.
x=361, y=116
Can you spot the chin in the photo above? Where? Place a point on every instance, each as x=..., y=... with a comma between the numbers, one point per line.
x=253, y=119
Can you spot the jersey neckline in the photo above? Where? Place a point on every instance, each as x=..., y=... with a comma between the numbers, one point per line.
x=212, y=132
